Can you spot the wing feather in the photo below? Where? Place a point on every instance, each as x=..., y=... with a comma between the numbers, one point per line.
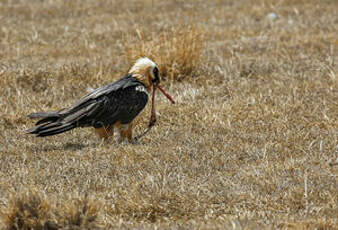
x=119, y=101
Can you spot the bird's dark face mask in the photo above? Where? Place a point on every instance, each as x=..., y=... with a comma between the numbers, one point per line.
x=156, y=79
x=156, y=84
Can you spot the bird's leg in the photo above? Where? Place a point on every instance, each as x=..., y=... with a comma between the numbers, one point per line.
x=129, y=132
x=105, y=131
x=125, y=132
x=109, y=131
x=121, y=133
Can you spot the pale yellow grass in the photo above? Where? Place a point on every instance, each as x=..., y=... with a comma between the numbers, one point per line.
x=252, y=142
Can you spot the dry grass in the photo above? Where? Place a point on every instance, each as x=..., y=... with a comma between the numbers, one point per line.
x=251, y=143
x=33, y=210
x=177, y=52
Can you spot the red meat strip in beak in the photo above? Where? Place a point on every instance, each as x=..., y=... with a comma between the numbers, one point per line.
x=165, y=94
x=153, y=113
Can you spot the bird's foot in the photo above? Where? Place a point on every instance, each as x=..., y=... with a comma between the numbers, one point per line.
x=134, y=141
x=152, y=121
x=128, y=141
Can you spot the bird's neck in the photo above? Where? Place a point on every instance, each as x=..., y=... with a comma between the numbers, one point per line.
x=144, y=79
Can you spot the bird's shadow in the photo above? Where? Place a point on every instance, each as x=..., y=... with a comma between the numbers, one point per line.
x=70, y=146
x=75, y=146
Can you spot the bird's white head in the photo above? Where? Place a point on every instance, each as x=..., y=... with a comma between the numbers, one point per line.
x=146, y=71
x=144, y=63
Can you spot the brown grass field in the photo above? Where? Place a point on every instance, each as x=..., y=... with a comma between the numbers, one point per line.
x=252, y=142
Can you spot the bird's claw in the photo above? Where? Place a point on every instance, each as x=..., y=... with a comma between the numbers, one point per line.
x=152, y=121
x=134, y=141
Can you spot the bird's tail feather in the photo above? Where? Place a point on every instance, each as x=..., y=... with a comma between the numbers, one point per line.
x=50, y=129
x=42, y=114
x=46, y=117
x=49, y=124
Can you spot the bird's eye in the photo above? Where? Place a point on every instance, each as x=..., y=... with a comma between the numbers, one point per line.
x=156, y=75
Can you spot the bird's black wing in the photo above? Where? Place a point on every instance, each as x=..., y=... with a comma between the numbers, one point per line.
x=120, y=105
x=123, y=83
x=120, y=101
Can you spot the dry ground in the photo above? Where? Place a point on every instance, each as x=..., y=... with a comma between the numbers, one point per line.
x=251, y=143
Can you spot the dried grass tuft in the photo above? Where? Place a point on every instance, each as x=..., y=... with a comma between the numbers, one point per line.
x=28, y=210
x=80, y=213
x=34, y=210
x=178, y=52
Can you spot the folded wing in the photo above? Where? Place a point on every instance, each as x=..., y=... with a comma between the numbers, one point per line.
x=120, y=101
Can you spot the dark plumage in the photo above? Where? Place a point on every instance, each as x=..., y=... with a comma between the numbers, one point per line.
x=120, y=102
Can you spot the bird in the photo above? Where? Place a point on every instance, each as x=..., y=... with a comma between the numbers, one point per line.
x=108, y=108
